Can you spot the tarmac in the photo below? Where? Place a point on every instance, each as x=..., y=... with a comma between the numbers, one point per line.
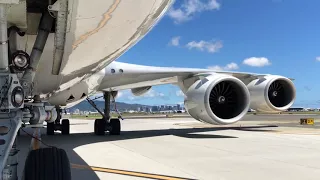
x=260, y=147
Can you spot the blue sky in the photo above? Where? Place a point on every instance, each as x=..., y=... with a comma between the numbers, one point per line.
x=271, y=36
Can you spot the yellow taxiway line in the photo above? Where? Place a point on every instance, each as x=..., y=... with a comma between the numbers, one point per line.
x=296, y=132
x=128, y=173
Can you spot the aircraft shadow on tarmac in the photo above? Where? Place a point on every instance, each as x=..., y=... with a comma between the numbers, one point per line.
x=72, y=141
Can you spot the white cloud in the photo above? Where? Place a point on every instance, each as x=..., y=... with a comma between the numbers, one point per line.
x=175, y=41
x=318, y=58
x=228, y=67
x=216, y=68
x=179, y=93
x=120, y=94
x=189, y=8
x=210, y=47
x=231, y=66
x=153, y=93
x=257, y=61
x=126, y=94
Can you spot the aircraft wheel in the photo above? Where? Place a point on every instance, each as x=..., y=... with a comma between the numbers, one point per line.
x=100, y=126
x=47, y=164
x=50, y=128
x=65, y=129
x=115, y=126
x=95, y=127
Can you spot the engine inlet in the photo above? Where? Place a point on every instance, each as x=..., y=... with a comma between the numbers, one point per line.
x=280, y=93
x=226, y=99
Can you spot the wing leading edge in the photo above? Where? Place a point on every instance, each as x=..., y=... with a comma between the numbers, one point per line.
x=120, y=76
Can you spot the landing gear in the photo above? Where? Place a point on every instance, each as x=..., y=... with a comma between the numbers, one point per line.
x=64, y=127
x=50, y=163
x=115, y=127
x=50, y=128
x=19, y=106
x=112, y=125
x=101, y=125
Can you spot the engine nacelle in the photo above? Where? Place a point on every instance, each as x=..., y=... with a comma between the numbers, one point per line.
x=217, y=99
x=271, y=93
x=140, y=90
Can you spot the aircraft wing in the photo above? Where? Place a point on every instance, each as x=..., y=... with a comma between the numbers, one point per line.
x=120, y=76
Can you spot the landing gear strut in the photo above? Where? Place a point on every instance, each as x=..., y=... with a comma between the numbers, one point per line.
x=63, y=126
x=112, y=125
x=16, y=111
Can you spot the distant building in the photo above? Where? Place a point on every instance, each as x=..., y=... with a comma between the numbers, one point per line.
x=148, y=109
x=296, y=109
x=178, y=107
x=76, y=111
x=155, y=108
x=143, y=108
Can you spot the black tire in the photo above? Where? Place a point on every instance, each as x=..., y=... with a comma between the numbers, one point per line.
x=96, y=127
x=100, y=126
x=47, y=164
x=115, y=126
x=65, y=126
x=50, y=128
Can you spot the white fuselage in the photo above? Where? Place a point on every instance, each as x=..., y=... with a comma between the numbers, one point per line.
x=98, y=32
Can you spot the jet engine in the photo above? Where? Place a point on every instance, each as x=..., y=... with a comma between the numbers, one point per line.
x=271, y=93
x=140, y=90
x=217, y=99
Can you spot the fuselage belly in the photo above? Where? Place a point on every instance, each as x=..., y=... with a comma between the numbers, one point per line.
x=98, y=32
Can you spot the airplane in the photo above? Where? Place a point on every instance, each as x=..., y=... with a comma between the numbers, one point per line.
x=56, y=53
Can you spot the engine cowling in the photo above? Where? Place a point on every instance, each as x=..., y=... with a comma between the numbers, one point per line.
x=140, y=90
x=271, y=93
x=217, y=99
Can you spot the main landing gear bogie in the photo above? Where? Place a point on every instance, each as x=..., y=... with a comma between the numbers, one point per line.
x=113, y=126
x=64, y=127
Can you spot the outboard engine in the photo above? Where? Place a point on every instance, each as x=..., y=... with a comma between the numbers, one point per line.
x=272, y=93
